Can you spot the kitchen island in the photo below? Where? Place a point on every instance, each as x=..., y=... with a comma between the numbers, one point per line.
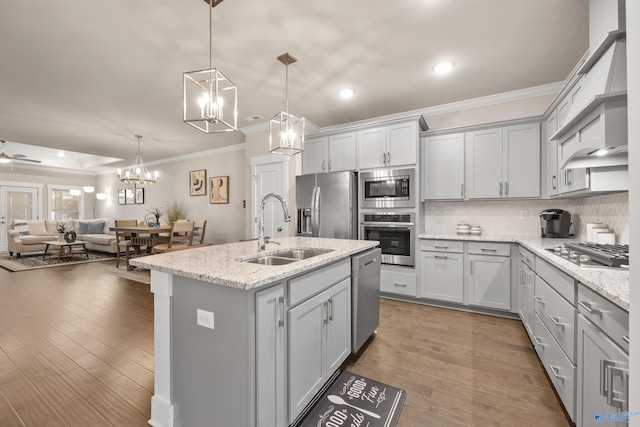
x=239, y=343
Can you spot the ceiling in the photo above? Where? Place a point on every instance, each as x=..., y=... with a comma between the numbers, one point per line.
x=86, y=76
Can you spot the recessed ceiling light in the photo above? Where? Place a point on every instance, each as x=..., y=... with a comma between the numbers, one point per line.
x=60, y=153
x=346, y=93
x=443, y=67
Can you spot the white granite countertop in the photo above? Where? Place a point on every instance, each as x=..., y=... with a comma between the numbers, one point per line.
x=223, y=264
x=612, y=284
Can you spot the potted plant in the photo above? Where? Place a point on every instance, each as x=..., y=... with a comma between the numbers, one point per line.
x=154, y=213
x=175, y=211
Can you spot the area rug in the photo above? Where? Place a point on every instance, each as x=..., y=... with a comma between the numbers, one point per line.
x=353, y=400
x=137, y=274
x=30, y=262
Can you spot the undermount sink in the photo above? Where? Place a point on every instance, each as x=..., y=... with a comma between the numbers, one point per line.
x=288, y=256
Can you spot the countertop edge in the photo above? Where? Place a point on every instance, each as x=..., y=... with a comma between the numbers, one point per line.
x=590, y=277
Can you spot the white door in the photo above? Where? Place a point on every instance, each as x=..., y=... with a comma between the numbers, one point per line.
x=17, y=203
x=270, y=178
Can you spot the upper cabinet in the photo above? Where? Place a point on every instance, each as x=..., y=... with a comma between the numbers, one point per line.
x=332, y=153
x=503, y=162
x=443, y=167
x=391, y=145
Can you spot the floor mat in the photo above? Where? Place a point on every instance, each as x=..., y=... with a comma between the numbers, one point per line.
x=353, y=400
x=30, y=262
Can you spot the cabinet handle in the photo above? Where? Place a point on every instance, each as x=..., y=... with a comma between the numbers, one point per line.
x=384, y=156
x=471, y=267
x=538, y=300
x=521, y=277
x=329, y=165
x=388, y=158
x=325, y=312
x=616, y=401
x=554, y=182
x=500, y=188
x=625, y=338
x=506, y=188
x=282, y=313
x=556, y=372
x=323, y=163
x=604, y=375
x=556, y=321
x=589, y=307
x=402, y=285
x=330, y=309
x=489, y=249
x=439, y=246
x=538, y=341
x=461, y=190
x=440, y=257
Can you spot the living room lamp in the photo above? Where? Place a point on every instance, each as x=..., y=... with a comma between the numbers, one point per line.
x=210, y=98
x=286, y=131
x=138, y=172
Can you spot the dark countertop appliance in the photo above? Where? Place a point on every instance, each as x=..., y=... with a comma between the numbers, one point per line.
x=555, y=223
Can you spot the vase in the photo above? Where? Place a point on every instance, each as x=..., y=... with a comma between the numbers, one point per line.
x=60, y=237
x=157, y=221
x=70, y=236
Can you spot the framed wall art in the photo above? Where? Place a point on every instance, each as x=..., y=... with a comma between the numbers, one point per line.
x=219, y=186
x=130, y=196
x=139, y=196
x=198, y=183
x=122, y=198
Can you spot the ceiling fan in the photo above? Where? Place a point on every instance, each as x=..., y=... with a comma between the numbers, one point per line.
x=6, y=158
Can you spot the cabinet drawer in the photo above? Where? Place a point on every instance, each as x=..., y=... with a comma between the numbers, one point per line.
x=560, y=282
x=489, y=248
x=607, y=316
x=306, y=286
x=526, y=257
x=557, y=314
x=396, y=281
x=441, y=246
x=560, y=369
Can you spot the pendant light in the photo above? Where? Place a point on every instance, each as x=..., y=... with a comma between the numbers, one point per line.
x=138, y=172
x=286, y=131
x=210, y=98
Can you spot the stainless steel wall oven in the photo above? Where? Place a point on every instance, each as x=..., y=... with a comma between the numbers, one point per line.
x=395, y=232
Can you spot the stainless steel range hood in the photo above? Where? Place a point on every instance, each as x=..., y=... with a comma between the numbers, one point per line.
x=594, y=133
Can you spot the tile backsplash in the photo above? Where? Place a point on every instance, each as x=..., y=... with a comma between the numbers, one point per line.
x=521, y=217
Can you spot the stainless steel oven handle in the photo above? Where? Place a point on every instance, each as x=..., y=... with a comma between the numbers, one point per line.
x=388, y=224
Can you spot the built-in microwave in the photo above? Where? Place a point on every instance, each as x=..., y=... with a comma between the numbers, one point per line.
x=388, y=188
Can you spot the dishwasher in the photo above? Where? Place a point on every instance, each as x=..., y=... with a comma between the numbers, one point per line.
x=365, y=296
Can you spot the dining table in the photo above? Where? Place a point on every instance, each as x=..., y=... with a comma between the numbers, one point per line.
x=141, y=235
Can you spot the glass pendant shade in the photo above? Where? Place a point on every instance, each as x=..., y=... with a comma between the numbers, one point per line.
x=138, y=173
x=210, y=101
x=286, y=134
x=286, y=131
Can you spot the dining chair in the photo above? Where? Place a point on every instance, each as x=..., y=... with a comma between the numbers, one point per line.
x=199, y=226
x=181, y=236
x=124, y=239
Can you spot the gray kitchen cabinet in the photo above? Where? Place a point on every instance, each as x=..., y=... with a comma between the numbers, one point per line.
x=319, y=341
x=329, y=153
x=271, y=349
x=443, y=167
x=526, y=308
x=503, y=162
x=398, y=280
x=442, y=271
x=489, y=275
x=391, y=145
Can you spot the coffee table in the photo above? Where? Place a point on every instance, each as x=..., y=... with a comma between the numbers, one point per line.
x=67, y=249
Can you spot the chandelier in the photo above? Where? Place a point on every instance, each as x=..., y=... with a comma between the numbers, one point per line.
x=286, y=131
x=210, y=98
x=138, y=172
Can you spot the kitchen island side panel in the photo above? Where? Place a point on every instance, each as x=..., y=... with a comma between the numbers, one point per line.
x=212, y=372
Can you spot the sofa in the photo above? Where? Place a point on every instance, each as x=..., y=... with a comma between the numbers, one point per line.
x=30, y=237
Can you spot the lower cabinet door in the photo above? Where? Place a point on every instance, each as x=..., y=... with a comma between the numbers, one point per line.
x=489, y=281
x=338, y=326
x=306, y=370
x=271, y=402
x=442, y=276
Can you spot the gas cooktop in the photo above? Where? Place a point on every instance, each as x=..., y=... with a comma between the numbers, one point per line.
x=593, y=254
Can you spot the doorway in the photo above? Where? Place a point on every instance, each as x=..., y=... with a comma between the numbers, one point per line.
x=17, y=203
x=270, y=174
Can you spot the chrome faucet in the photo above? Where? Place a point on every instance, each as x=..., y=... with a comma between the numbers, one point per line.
x=261, y=239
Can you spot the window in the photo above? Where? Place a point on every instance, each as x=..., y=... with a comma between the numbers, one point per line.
x=63, y=205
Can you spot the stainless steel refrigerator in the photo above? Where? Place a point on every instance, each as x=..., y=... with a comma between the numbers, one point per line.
x=327, y=205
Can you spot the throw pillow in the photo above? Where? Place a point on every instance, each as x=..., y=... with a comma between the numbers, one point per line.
x=21, y=227
x=82, y=228
x=95, y=227
x=37, y=227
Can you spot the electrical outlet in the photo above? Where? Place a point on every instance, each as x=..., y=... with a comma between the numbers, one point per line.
x=244, y=204
x=524, y=214
x=205, y=318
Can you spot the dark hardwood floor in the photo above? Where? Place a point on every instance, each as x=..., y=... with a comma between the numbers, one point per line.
x=76, y=349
